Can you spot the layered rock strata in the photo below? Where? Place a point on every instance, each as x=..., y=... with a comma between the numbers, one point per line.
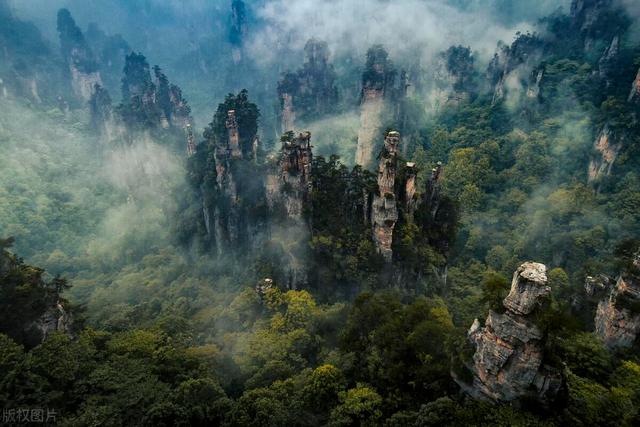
x=384, y=210
x=508, y=361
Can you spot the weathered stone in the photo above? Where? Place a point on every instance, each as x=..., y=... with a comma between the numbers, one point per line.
x=528, y=288
x=508, y=361
x=384, y=211
x=617, y=320
x=55, y=319
x=191, y=145
x=410, y=196
x=370, y=118
x=634, y=94
x=234, y=137
x=608, y=147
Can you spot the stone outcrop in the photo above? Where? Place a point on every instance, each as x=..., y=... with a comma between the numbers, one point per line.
x=103, y=118
x=234, y=138
x=83, y=67
x=608, y=146
x=384, y=210
x=609, y=141
x=452, y=77
x=290, y=182
x=607, y=61
x=508, y=361
x=310, y=92
x=191, y=144
x=617, y=320
x=151, y=103
x=370, y=116
x=227, y=212
x=377, y=84
x=55, y=319
x=410, y=195
x=513, y=69
x=288, y=187
x=586, y=16
x=634, y=94
x=288, y=113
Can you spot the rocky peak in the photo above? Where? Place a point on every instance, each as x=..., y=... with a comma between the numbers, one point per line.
x=508, y=361
x=295, y=162
x=634, y=94
x=410, y=196
x=617, y=320
x=515, y=65
x=453, y=76
x=384, y=211
x=80, y=59
x=234, y=138
x=191, y=145
x=528, y=288
x=609, y=142
x=608, y=59
x=310, y=92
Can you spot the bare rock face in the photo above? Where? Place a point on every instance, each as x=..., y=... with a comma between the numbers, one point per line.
x=513, y=69
x=452, y=77
x=295, y=174
x=83, y=67
x=634, y=94
x=529, y=285
x=377, y=84
x=617, y=320
x=55, y=319
x=191, y=144
x=370, y=117
x=310, y=92
x=288, y=113
x=384, y=211
x=608, y=147
x=410, y=196
x=606, y=63
x=234, y=136
x=508, y=361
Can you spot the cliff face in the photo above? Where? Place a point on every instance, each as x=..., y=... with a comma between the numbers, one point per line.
x=609, y=141
x=83, y=67
x=288, y=186
x=310, y=92
x=617, y=320
x=384, y=211
x=103, y=118
x=453, y=77
x=227, y=213
x=608, y=147
x=31, y=308
x=634, y=94
x=151, y=103
x=370, y=117
x=377, y=84
x=586, y=17
x=289, y=180
x=513, y=68
x=508, y=361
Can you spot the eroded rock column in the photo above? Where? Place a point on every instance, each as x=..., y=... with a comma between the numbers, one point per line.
x=384, y=211
x=370, y=118
x=508, y=360
x=617, y=320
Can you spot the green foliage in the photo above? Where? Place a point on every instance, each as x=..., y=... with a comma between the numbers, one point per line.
x=359, y=406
